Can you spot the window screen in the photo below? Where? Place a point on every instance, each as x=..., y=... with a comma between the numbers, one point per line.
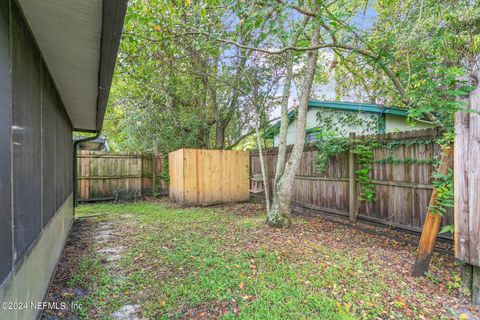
x=26, y=140
x=49, y=108
x=5, y=147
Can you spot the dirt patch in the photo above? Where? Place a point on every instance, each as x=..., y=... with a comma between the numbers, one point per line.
x=78, y=245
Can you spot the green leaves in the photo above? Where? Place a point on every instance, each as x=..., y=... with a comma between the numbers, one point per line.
x=443, y=183
x=329, y=144
x=448, y=229
x=364, y=159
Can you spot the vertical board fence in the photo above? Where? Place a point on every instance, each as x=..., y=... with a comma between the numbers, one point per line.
x=199, y=176
x=109, y=176
x=467, y=190
x=403, y=189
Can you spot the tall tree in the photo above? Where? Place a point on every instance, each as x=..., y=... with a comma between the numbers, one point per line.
x=184, y=66
x=172, y=81
x=433, y=95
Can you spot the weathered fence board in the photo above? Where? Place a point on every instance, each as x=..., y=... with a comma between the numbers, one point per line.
x=467, y=190
x=467, y=180
x=103, y=176
x=403, y=190
x=200, y=176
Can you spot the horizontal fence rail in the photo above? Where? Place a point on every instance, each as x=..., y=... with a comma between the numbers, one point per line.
x=103, y=176
x=403, y=189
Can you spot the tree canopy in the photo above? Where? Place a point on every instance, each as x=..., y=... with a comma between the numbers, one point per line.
x=185, y=69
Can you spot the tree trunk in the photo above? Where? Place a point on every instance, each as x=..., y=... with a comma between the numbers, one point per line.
x=279, y=215
x=263, y=169
x=282, y=137
x=219, y=135
x=284, y=122
x=204, y=138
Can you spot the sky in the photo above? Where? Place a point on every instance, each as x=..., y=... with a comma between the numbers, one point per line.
x=364, y=20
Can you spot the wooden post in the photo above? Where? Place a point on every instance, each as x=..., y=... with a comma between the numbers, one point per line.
x=352, y=181
x=432, y=223
x=154, y=175
x=467, y=181
x=141, y=176
x=155, y=181
x=466, y=274
x=475, y=285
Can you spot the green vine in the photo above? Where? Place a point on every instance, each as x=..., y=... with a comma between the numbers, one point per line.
x=164, y=175
x=395, y=144
x=395, y=160
x=364, y=159
x=443, y=183
x=328, y=145
x=331, y=140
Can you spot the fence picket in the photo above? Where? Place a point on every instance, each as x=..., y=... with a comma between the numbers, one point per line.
x=103, y=176
x=403, y=189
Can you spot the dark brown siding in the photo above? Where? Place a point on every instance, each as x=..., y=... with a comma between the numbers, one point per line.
x=5, y=146
x=36, y=132
x=26, y=110
x=49, y=109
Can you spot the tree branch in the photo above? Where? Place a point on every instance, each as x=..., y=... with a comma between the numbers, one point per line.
x=299, y=9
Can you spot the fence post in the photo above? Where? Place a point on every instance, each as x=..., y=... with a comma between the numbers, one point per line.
x=141, y=176
x=155, y=183
x=154, y=175
x=467, y=177
x=352, y=182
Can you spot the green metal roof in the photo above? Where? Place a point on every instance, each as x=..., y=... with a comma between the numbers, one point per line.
x=345, y=106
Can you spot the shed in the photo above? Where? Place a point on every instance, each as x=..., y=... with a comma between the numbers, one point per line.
x=199, y=177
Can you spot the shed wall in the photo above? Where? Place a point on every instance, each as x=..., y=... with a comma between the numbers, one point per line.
x=175, y=171
x=200, y=176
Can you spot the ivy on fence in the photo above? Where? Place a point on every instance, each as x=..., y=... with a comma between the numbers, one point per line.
x=330, y=144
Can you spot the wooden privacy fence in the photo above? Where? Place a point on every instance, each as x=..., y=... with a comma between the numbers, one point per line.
x=403, y=188
x=467, y=190
x=199, y=176
x=102, y=176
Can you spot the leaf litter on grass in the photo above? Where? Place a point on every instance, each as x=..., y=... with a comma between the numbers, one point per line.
x=223, y=262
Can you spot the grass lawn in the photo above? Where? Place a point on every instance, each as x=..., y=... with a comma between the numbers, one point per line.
x=166, y=262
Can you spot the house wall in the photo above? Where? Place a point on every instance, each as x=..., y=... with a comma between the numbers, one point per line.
x=392, y=123
x=312, y=123
x=36, y=167
x=5, y=147
x=398, y=123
